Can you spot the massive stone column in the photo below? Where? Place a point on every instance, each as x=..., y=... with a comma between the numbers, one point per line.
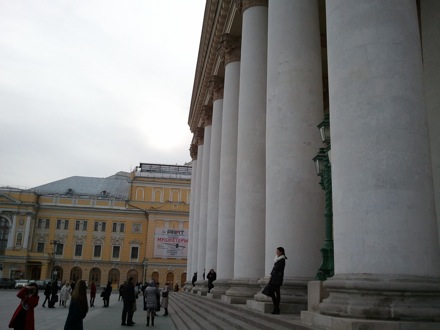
x=197, y=193
x=251, y=159
x=207, y=122
x=189, y=266
x=386, y=244
x=430, y=15
x=216, y=86
x=294, y=199
x=228, y=165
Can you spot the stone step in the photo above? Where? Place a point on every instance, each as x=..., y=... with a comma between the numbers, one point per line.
x=198, y=311
x=235, y=316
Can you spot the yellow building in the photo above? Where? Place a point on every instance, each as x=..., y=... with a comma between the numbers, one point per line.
x=99, y=229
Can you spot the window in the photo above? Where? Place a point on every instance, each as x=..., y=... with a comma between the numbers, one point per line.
x=59, y=249
x=85, y=225
x=118, y=225
x=40, y=247
x=97, y=251
x=116, y=250
x=77, y=224
x=62, y=224
x=47, y=224
x=134, y=252
x=78, y=250
x=99, y=226
x=40, y=223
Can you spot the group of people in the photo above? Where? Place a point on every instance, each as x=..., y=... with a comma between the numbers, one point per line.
x=211, y=277
x=23, y=317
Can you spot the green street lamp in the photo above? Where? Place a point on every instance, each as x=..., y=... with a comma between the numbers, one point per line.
x=323, y=170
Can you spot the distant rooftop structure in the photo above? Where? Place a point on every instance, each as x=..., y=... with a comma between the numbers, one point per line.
x=164, y=171
x=115, y=186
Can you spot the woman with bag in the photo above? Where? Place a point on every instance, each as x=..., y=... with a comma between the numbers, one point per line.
x=276, y=279
x=165, y=292
x=23, y=318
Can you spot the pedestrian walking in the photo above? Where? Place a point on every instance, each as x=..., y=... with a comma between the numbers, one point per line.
x=54, y=294
x=212, y=276
x=92, y=294
x=65, y=294
x=106, y=294
x=47, y=292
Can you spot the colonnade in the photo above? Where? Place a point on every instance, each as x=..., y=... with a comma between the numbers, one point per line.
x=255, y=187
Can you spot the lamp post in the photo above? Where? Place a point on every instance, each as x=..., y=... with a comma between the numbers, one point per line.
x=55, y=246
x=145, y=265
x=323, y=169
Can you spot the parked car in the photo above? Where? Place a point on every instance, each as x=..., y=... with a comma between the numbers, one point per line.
x=21, y=283
x=41, y=284
x=7, y=283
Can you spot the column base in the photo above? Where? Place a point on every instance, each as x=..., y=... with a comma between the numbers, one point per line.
x=383, y=297
x=241, y=290
x=220, y=288
x=293, y=297
x=200, y=288
x=187, y=287
x=336, y=323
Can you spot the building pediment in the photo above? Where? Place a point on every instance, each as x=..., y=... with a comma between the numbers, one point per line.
x=6, y=199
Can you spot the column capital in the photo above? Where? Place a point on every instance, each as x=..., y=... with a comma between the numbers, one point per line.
x=200, y=134
x=230, y=48
x=246, y=4
x=207, y=115
x=193, y=151
x=215, y=86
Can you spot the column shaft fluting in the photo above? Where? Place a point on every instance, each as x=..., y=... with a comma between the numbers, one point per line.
x=294, y=199
x=213, y=187
x=204, y=203
x=430, y=14
x=228, y=169
x=383, y=202
x=250, y=195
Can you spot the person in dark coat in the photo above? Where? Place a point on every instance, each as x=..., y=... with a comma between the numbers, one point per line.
x=276, y=278
x=121, y=291
x=194, y=279
x=92, y=294
x=54, y=294
x=78, y=307
x=212, y=276
x=106, y=294
x=129, y=298
x=23, y=317
x=47, y=292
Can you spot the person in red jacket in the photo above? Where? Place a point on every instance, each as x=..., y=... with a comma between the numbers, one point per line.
x=23, y=317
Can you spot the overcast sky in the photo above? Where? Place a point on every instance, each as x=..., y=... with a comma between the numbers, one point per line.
x=93, y=87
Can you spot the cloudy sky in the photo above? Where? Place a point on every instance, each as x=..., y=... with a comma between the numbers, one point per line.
x=93, y=87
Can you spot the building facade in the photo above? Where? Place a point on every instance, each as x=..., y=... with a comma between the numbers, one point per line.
x=99, y=229
x=268, y=72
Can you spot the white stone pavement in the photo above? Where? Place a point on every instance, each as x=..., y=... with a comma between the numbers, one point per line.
x=97, y=318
